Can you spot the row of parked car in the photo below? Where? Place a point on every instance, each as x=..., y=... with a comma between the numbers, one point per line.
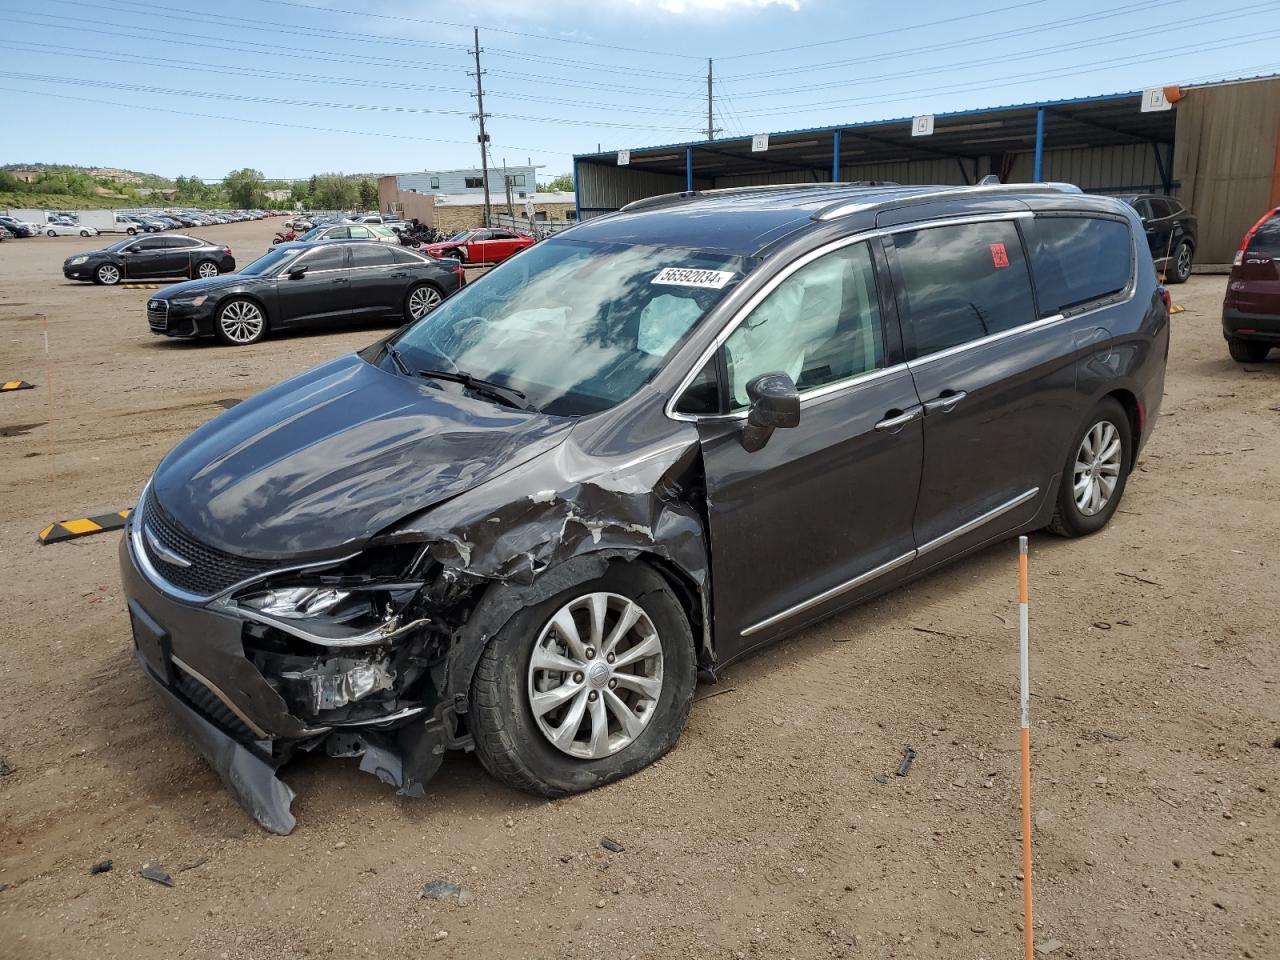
x=61, y=224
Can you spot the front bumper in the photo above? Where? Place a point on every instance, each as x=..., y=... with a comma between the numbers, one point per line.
x=174, y=319
x=81, y=272
x=243, y=727
x=1256, y=327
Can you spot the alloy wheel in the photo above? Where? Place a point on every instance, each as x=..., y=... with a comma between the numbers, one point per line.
x=108, y=274
x=1097, y=468
x=422, y=301
x=207, y=270
x=1184, y=261
x=595, y=675
x=241, y=321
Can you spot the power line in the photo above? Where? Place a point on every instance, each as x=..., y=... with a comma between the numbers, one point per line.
x=304, y=53
x=1078, y=68
x=326, y=33
x=1032, y=54
x=269, y=123
x=516, y=33
x=197, y=66
x=966, y=17
x=968, y=41
x=322, y=104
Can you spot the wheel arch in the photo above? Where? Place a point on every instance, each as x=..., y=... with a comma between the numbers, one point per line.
x=1133, y=411
x=502, y=600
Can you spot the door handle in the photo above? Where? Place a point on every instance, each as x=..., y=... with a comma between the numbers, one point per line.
x=945, y=403
x=340, y=280
x=895, y=420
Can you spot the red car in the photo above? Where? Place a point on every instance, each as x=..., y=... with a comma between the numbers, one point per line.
x=480, y=246
x=1251, y=310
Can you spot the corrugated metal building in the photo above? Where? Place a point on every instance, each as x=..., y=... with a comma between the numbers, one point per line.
x=1215, y=146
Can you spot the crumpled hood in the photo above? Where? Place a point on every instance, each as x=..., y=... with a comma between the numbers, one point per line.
x=318, y=464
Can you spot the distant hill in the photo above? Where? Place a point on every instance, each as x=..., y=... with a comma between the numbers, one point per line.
x=136, y=177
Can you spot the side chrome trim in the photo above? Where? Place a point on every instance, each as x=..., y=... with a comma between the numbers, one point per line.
x=893, y=564
x=976, y=522
x=212, y=687
x=830, y=594
x=989, y=338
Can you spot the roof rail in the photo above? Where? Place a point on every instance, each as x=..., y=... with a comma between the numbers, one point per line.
x=844, y=208
x=662, y=200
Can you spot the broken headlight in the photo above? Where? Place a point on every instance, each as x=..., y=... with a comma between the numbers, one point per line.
x=361, y=601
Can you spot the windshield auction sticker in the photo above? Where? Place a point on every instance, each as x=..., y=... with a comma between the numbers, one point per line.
x=690, y=277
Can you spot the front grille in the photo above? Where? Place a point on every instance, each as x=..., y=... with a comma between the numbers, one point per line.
x=158, y=315
x=211, y=570
x=208, y=703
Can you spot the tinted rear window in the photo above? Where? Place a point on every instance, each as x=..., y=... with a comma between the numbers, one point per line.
x=1078, y=260
x=963, y=283
x=1267, y=240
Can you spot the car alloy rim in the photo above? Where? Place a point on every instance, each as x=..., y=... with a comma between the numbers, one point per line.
x=208, y=270
x=108, y=274
x=422, y=300
x=595, y=675
x=1184, y=260
x=1097, y=468
x=241, y=321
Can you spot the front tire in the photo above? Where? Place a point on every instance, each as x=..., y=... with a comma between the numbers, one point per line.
x=132, y=232
x=108, y=274
x=84, y=233
x=1180, y=264
x=586, y=687
x=460, y=255
x=240, y=322
x=1096, y=472
x=50, y=233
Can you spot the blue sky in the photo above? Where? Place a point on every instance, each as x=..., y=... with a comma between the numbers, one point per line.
x=294, y=87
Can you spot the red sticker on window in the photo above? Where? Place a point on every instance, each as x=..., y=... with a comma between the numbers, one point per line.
x=999, y=256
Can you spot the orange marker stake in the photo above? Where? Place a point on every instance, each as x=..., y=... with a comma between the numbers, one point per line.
x=1025, y=672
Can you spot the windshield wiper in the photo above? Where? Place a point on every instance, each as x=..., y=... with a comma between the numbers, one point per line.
x=507, y=396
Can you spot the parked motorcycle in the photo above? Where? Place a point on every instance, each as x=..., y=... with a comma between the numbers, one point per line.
x=284, y=236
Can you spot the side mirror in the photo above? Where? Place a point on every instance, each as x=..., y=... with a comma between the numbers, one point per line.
x=775, y=404
x=298, y=272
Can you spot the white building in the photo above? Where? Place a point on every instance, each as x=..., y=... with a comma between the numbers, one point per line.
x=471, y=181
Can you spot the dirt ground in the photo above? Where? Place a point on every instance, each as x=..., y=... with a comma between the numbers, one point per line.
x=775, y=829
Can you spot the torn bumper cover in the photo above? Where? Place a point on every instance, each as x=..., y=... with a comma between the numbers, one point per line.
x=199, y=656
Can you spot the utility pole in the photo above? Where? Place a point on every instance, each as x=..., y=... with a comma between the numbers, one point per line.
x=482, y=137
x=711, y=124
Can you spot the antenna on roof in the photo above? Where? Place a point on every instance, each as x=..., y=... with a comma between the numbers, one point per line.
x=990, y=180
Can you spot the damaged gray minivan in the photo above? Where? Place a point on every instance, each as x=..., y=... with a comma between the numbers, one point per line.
x=527, y=523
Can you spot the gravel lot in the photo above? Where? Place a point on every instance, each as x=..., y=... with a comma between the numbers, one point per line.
x=775, y=829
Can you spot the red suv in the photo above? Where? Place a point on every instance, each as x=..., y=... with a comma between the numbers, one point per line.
x=1251, y=310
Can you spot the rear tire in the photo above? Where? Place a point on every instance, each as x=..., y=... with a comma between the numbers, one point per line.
x=1247, y=351
x=1096, y=471
x=421, y=300
x=206, y=269
x=132, y=232
x=1180, y=264
x=84, y=233
x=516, y=747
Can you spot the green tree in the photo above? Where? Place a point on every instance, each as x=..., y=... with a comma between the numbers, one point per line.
x=368, y=195
x=333, y=191
x=564, y=182
x=244, y=187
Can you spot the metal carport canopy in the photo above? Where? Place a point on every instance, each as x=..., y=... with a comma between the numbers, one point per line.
x=966, y=135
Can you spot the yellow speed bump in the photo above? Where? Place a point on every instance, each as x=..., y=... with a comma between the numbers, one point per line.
x=16, y=385
x=82, y=527
x=1177, y=308
x=139, y=286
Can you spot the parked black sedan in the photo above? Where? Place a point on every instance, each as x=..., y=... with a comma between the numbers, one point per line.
x=137, y=258
x=1171, y=234
x=304, y=285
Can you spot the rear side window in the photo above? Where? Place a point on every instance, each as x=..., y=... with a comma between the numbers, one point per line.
x=1078, y=260
x=370, y=255
x=1266, y=240
x=326, y=258
x=962, y=283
